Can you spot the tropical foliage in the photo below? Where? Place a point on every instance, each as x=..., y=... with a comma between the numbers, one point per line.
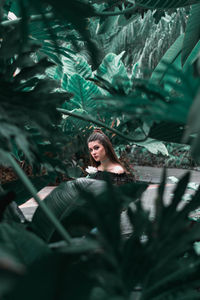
x=65, y=67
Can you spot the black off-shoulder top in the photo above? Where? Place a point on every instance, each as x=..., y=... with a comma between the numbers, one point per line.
x=117, y=179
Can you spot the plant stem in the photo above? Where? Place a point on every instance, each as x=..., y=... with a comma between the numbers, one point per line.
x=99, y=123
x=26, y=181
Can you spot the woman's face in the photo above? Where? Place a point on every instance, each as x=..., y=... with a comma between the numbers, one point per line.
x=97, y=151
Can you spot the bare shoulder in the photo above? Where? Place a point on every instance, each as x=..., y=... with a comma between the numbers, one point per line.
x=118, y=169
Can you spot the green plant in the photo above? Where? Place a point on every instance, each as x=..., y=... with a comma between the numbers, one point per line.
x=149, y=264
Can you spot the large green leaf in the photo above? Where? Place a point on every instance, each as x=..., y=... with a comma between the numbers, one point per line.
x=149, y=261
x=192, y=34
x=83, y=91
x=54, y=49
x=82, y=103
x=65, y=203
x=150, y=102
x=192, y=57
x=154, y=146
x=112, y=68
x=144, y=40
x=108, y=24
x=158, y=237
x=77, y=65
x=170, y=57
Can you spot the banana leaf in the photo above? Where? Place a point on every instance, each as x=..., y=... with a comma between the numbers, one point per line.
x=192, y=34
x=68, y=207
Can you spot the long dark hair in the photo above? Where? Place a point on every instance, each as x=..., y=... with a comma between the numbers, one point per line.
x=98, y=135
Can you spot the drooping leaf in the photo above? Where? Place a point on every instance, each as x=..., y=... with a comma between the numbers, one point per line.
x=192, y=57
x=169, y=58
x=64, y=202
x=154, y=147
x=82, y=103
x=112, y=67
x=153, y=100
x=192, y=34
x=77, y=65
x=83, y=91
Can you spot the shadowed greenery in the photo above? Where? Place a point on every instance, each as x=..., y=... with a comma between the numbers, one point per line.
x=131, y=67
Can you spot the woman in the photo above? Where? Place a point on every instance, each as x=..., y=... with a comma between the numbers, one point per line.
x=104, y=158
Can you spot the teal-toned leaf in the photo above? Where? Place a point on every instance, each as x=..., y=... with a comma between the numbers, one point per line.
x=154, y=147
x=83, y=91
x=73, y=125
x=192, y=57
x=64, y=82
x=53, y=57
x=55, y=72
x=61, y=50
x=171, y=56
x=111, y=67
x=108, y=24
x=76, y=65
x=192, y=34
x=79, y=20
x=65, y=203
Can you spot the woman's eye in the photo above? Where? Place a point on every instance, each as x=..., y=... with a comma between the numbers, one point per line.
x=96, y=148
